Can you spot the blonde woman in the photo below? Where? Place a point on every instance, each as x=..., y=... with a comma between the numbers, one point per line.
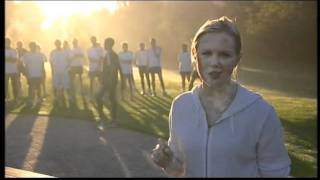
x=221, y=129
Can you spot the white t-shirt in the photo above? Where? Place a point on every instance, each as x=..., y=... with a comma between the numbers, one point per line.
x=59, y=60
x=77, y=57
x=154, y=57
x=96, y=53
x=126, y=57
x=246, y=141
x=11, y=67
x=184, y=60
x=141, y=58
x=34, y=62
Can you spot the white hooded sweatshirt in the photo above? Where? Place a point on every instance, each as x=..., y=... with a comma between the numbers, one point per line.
x=246, y=141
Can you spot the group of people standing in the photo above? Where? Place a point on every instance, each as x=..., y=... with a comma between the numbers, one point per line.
x=104, y=67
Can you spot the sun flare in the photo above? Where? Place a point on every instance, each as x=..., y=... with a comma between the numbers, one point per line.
x=54, y=10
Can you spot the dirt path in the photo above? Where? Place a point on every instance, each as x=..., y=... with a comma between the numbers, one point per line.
x=76, y=148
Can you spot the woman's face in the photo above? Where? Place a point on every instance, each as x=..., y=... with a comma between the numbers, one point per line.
x=216, y=58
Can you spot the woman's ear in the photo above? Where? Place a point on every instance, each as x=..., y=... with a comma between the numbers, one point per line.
x=239, y=58
x=194, y=53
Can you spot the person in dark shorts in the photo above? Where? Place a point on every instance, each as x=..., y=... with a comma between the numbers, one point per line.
x=21, y=51
x=125, y=59
x=194, y=76
x=154, y=54
x=95, y=56
x=141, y=60
x=76, y=66
x=43, y=84
x=185, y=66
x=11, y=70
x=110, y=71
x=34, y=65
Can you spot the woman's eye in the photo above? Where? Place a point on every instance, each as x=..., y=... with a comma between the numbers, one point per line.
x=224, y=55
x=206, y=53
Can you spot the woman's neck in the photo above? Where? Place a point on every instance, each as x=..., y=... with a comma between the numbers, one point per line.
x=218, y=91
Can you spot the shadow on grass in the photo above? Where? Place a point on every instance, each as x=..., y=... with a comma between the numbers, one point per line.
x=293, y=85
x=72, y=111
x=145, y=114
x=18, y=140
x=301, y=168
x=305, y=129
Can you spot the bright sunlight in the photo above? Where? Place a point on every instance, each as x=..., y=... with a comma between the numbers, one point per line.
x=54, y=10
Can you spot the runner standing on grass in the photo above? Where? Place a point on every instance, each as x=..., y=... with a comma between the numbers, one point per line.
x=76, y=66
x=11, y=70
x=95, y=56
x=59, y=68
x=111, y=69
x=125, y=59
x=21, y=51
x=43, y=83
x=141, y=60
x=34, y=66
x=185, y=66
x=154, y=57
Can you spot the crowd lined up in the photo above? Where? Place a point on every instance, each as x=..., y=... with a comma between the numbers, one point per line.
x=67, y=63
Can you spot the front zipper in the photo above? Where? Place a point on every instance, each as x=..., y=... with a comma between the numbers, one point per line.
x=206, y=157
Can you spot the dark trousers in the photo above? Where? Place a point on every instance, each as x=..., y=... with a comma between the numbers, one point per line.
x=112, y=89
x=14, y=78
x=194, y=76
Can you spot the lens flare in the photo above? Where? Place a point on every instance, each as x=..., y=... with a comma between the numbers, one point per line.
x=55, y=10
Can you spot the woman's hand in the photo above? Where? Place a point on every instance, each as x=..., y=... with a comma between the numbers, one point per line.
x=162, y=154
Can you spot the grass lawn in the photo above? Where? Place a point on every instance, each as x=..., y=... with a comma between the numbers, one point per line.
x=150, y=115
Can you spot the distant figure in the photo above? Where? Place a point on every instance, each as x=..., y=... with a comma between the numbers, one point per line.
x=43, y=83
x=185, y=66
x=68, y=54
x=34, y=66
x=125, y=59
x=194, y=75
x=111, y=69
x=95, y=56
x=76, y=66
x=220, y=128
x=11, y=70
x=21, y=51
x=59, y=60
x=154, y=55
x=141, y=60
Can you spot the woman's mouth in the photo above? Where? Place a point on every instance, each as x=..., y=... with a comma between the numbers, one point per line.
x=215, y=74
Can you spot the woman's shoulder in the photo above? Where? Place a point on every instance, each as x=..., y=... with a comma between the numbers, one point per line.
x=257, y=99
x=183, y=98
x=187, y=98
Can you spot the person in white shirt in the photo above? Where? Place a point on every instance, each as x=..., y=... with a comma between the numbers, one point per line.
x=21, y=51
x=11, y=70
x=76, y=66
x=43, y=83
x=154, y=55
x=221, y=129
x=34, y=65
x=125, y=59
x=59, y=60
x=194, y=75
x=95, y=56
x=141, y=60
x=185, y=66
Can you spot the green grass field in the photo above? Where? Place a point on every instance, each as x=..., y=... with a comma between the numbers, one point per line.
x=150, y=115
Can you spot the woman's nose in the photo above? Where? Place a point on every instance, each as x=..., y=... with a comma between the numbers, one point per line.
x=214, y=60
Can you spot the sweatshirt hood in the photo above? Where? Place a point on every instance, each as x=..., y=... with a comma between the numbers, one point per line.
x=242, y=100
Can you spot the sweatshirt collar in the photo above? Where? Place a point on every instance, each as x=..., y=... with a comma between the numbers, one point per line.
x=243, y=99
